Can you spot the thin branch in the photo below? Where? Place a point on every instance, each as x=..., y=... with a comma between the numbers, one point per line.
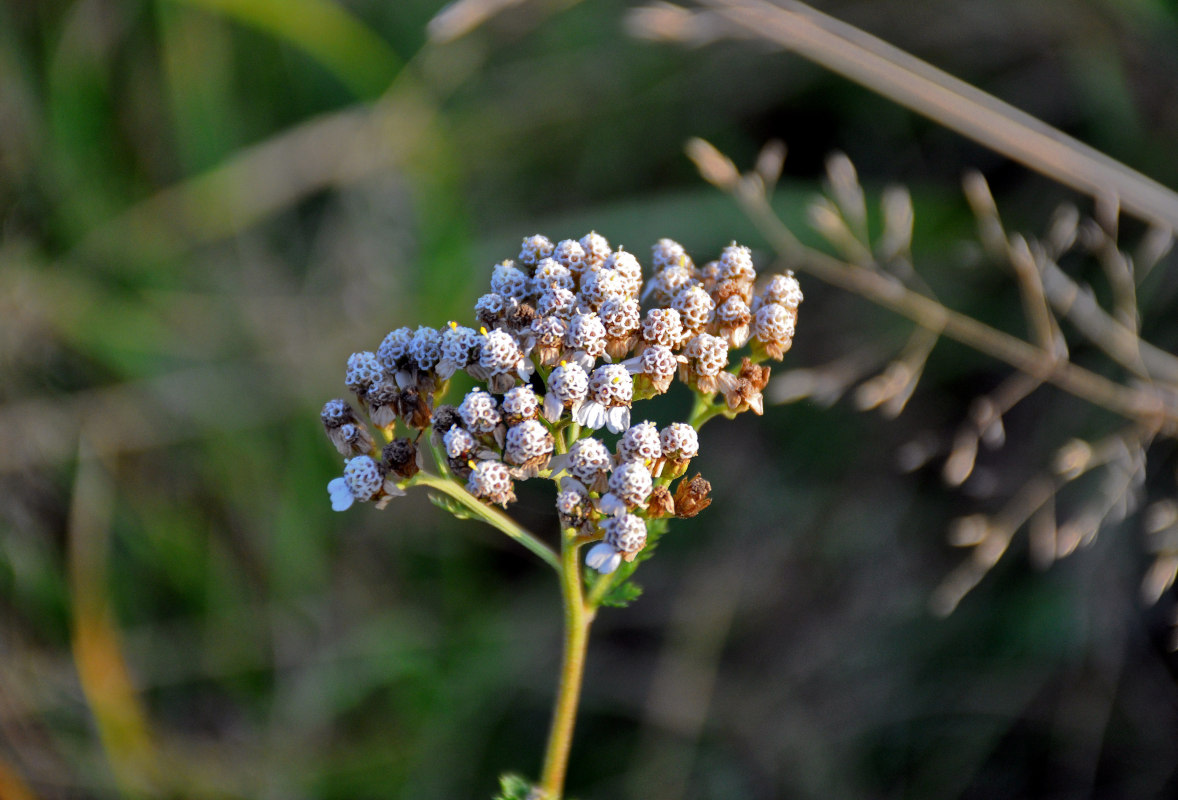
x=1137, y=403
x=917, y=85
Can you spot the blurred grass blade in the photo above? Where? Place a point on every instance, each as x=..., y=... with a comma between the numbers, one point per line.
x=325, y=30
x=953, y=103
x=11, y=785
x=102, y=671
x=462, y=16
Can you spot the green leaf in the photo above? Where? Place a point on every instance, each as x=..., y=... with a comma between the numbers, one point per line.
x=622, y=595
x=326, y=30
x=453, y=506
x=513, y=787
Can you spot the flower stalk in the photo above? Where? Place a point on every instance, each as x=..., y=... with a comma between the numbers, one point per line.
x=578, y=616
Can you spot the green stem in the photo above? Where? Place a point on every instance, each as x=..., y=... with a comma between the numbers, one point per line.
x=600, y=587
x=578, y=616
x=491, y=516
x=704, y=410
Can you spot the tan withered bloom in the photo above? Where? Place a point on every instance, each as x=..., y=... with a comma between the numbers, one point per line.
x=520, y=318
x=401, y=458
x=746, y=392
x=660, y=504
x=691, y=496
x=414, y=409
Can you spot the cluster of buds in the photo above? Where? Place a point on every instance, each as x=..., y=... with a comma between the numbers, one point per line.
x=568, y=338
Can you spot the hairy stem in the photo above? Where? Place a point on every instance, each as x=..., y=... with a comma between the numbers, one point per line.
x=578, y=616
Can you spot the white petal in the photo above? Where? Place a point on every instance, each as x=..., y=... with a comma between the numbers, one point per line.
x=634, y=365
x=557, y=463
x=570, y=484
x=584, y=360
x=603, y=558
x=617, y=419
x=341, y=495
x=591, y=415
x=552, y=407
x=611, y=504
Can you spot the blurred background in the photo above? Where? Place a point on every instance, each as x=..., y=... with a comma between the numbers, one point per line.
x=207, y=205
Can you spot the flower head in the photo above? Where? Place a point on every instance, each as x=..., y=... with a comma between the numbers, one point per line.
x=596, y=248
x=585, y=338
x=551, y=274
x=783, y=290
x=625, y=536
x=425, y=348
x=662, y=326
x=393, y=353
x=528, y=445
x=361, y=481
x=610, y=392
x=589, y=461
x=568, y=386
x=502, y=360
x=491, y=481
x=695, y=307
x=654, y=370
x=627, y=266
x=773, y=329
x=556, y=301
x=533, y=249
x=669, y=253
x=478, y=412
x=508, y=280
x=460, y=348
x=629, y=487
x=519, y=403
x=571, y=255
x=363, y=371
x=640, y=443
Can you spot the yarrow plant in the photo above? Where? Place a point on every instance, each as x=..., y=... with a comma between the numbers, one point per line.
x=569, y=338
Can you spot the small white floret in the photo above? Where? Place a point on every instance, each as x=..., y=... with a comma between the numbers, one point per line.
x=341, y=495
x=611, y=505
x=617, y=419
x=591, y=415
x=603, y=558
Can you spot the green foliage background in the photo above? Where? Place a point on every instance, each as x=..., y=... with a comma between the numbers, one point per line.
x=206, y=205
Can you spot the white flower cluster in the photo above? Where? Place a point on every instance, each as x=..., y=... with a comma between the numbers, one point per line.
x=569, y=336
